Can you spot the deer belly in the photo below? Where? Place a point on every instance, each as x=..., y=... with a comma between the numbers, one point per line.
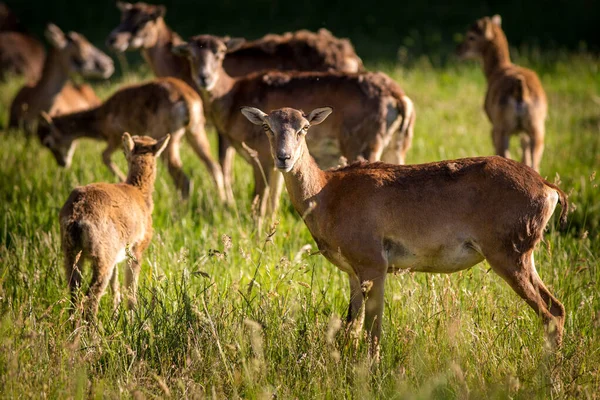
x=441, y=258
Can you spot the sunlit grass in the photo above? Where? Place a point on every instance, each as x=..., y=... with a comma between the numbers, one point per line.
x=258, y=318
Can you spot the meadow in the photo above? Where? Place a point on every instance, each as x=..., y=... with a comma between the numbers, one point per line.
x=226, y=311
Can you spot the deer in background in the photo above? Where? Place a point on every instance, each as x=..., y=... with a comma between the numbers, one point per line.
x=515, y=100
x=54, y=94
x=374, y=118
x=151, y=108
x=371, y=219
x=20, y=52
x=101, y=222
x=143, y=28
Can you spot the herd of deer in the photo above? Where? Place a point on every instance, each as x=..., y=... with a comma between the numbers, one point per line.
x=368, y=218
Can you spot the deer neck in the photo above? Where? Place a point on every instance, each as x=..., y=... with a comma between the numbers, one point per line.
x=496, y=55
x=53, y=79
x=305, y=181
x=82, y=124
x=142, y=175
x=218, y=102
x=159, y=56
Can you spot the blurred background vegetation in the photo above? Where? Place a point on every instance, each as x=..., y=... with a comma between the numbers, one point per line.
x=383, y=30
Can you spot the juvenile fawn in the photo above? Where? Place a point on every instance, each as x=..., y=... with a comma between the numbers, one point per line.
x=370, y=219
x=151, y=108
x=100, y=222
x=515, y=100
x=54, y=93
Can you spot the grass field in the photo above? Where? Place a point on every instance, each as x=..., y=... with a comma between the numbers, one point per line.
x=225, y=312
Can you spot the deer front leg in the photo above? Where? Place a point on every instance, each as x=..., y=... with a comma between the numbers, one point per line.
x=356, y=310
x=175, y=166
x=107, y=159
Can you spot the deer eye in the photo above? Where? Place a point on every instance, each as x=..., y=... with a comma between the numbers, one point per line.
x=267, y=129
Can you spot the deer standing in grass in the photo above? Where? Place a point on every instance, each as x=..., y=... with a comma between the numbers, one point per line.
x=515, y=100
x=371, y=219
x=151, y=108
x=101, y=222
x=374, y=119
x=70, y=54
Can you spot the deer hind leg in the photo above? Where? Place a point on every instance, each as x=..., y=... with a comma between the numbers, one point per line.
x=537, y=145
x=102, y=267
x=172, y=158
x=196, y=137
x=526, y=148
x=73, y=262
x=501, y=139
x=519, y=272
x=226, y=157
x=132, y=272
x=114, y=285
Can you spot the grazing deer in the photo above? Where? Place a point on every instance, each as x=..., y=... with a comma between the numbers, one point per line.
x=152, y=108
x=370, y=219
x=374, y=120
x=102, y=222
x=515, y=100
x=70, y=53
x=20, y=52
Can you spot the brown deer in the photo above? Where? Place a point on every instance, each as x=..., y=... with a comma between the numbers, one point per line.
x=370, y=219
x=70, y=53
x=515, y=100
x=375, y=118
x=151, y=108
x=20, y=52
x=102, y=222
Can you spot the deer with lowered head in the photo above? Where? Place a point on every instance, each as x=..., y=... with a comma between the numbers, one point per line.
x=102, y=222
x=515, y=100
x=54, y=93
x=374, y=119
x=151, y=108
x=371, y=219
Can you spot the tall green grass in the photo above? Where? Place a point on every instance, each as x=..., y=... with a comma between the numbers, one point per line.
x=226, y=312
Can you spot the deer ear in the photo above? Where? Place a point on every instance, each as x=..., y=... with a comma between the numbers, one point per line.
x=128, y=143
x=234, y=44
x=497, y=19
x=56, y=36
x=254, y=115
x=182, y=50
x=123, y=6
x=161, y=145
x=319, y=115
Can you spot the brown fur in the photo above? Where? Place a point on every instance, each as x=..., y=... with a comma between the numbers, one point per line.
x=20, y=52
x=374, y=116
x=101, y=221
x=152, y=108
x=370, y=219
x=515, y=100
x=53, y=93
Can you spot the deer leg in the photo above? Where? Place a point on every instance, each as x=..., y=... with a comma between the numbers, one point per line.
x=501, y=141
x=374, y=290
x=73, y=267
x=196, y=137
x=226, y=157
x=102, y=271
x=114, y=285
x=537, y=146
x=526, y=148
x=132, y=272
x=519, y=272
x=356, y=310
x=174, y=164
x=107, y=159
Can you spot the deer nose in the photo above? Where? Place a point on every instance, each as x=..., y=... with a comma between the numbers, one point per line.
x=283, y=157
